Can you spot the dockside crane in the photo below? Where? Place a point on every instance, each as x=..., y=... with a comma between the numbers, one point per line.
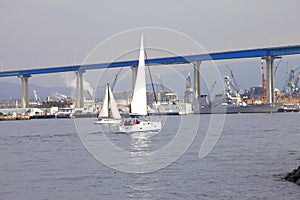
x=115, y=80
x=277, y=65
x=89, y=93
x=293, y=80
x=234, y=85
x=297, y=80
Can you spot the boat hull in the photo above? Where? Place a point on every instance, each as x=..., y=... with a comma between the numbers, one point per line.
x=42, y=116
x=143, y=126
x=63, y=115
x=234, y=109
x=107, y=121
x=85, y=115
x=164, y=113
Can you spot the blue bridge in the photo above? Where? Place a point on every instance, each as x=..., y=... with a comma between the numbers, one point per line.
x=269, y=54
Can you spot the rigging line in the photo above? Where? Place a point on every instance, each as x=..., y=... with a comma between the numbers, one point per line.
x=151, y=84
x=115, y=80
x=151, y=80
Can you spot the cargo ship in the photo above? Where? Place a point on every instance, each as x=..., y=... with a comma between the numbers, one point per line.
x=231, y=101
x=234, y=109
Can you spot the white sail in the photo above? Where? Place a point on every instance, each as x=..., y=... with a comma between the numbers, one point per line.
x=109, y=107
x=139, y=102
x=104, y=110
x=139, y=99
x=113, y=106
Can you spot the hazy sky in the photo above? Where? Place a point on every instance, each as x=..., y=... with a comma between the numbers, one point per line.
x=38, y=33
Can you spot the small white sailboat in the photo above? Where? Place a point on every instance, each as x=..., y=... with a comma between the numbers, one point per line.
x=109, y=113
x=137, y=122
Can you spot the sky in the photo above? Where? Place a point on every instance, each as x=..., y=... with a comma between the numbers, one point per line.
x=36, y=34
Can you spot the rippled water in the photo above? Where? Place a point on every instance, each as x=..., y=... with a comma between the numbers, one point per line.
x=45, y=159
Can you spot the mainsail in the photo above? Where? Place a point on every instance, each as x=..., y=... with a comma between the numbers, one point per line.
x=139, y=102
x=139, y=99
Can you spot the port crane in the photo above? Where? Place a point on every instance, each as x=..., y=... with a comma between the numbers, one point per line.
x=297, y=77
x=235, y=84
x=115, y=80
x=276, y=67
x=89, y=93
x=293, y=80
x=297, y=80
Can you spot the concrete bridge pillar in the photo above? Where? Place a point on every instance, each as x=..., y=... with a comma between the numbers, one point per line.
x=270, y=95
x=25, y=95
x=197, y=89
x=79, y=89
x=133, y=74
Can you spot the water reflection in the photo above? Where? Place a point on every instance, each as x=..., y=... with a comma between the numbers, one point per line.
x=142, y=186
x=141, y=141
x=140, y=147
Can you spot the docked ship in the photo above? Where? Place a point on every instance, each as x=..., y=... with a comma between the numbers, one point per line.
x=230, y=102
x=234, y=109
x=163, y=109
x=168, y=106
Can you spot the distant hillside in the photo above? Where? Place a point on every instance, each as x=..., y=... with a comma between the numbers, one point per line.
x=13, y=91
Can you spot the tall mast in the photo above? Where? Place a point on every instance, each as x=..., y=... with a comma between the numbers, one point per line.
x=108, y=102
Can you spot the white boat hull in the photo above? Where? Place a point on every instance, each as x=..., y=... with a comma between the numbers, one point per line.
x=107, y=121
x=143, y=126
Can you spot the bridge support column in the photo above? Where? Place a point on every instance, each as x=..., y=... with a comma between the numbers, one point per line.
x=79, y=89
x=25, y=95
x=270, y=95
x=133, y=74
x=196, y=66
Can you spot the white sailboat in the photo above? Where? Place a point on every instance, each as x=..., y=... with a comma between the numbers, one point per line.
x=109, y=113
x=137, y=122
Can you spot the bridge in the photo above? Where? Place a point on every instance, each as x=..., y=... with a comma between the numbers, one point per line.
x=268, y=54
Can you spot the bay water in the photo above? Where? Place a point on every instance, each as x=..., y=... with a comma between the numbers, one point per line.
x=47, y=159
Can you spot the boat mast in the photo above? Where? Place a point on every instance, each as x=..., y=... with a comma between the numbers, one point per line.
x=108, y=102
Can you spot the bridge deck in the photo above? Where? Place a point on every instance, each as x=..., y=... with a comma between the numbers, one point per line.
x=250, y=53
